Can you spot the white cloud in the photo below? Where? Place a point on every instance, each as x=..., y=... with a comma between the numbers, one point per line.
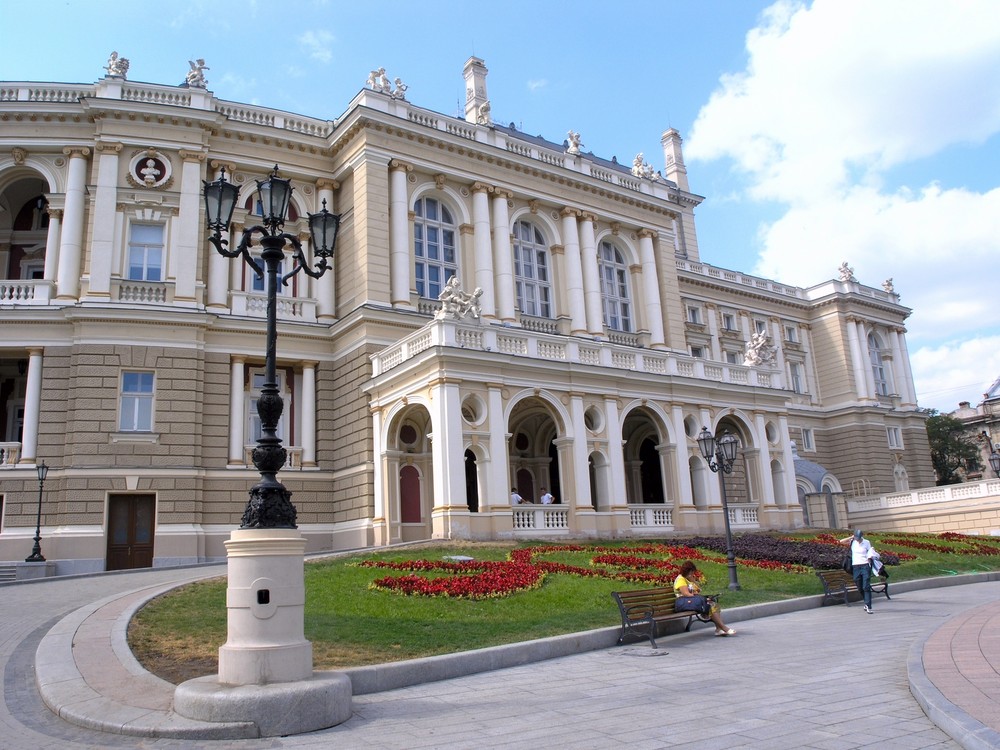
x=537, y=84
x=838, y=99
x=318, y=44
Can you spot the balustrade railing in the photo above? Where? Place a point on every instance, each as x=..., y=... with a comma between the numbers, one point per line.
x=541, y=518
x=10, y=454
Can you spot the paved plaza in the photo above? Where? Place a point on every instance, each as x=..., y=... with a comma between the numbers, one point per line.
x=808, y=677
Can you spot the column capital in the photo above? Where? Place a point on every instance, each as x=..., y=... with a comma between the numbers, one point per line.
x=76, y=151
x=588, y=216
x=570, y=212
x=557, y=249
x=646, y=234
x=502, y=194
x=401, y=165
x=466, y=229
x=54, y=213
x=217, y=164
x=192, y=155
x=482, y=187
x=324, y=183
x=107, y=147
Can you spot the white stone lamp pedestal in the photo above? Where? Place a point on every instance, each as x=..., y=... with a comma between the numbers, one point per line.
x=265, y=666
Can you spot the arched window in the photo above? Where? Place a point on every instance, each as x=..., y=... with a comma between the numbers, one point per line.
x=531, y=271
x=878, y=367
x=614, y=289
x=433, y=246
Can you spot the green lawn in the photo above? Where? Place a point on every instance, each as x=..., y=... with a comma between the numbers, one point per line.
x=177, y=635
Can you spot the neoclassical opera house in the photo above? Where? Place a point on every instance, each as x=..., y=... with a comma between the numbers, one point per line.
x=503, y=311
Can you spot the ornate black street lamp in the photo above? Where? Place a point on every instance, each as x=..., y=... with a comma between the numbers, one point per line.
x=270, y=505
x=36, y=551
x=994, y=457
x=720, y=455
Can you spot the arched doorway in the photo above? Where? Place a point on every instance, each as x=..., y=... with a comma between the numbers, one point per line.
x=471, y=481
x=534, y=456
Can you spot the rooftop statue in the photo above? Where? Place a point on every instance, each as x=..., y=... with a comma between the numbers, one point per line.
x=117, y=66
x=641, y=169
x=457, y=304
x=887, y=285
x=846, y=272
x=399, y=92
x=196, y=76
x=573, y=141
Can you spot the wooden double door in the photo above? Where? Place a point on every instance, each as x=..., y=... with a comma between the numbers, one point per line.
x=131, y=525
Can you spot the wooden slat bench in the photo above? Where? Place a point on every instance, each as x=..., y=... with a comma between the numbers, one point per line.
x=839, y=583
x=644, y=609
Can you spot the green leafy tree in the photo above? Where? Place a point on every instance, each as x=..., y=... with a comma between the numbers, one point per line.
x=951, y=446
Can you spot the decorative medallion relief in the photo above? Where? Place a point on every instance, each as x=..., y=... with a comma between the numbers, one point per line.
x=148, y=168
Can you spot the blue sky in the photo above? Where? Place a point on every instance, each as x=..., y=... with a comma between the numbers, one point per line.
x=818, y=132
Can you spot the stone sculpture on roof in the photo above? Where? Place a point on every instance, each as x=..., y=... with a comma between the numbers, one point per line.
x=117, y=66
x=456, y=304
x=196, y=76
x=759, y=351
x=846, y=272
x=641, y=169
x=887, y=285
x=573, y=141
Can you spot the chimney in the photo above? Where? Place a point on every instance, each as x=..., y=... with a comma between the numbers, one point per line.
x=477, y=103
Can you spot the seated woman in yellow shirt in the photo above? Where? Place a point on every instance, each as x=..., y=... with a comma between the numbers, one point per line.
x=686, y=585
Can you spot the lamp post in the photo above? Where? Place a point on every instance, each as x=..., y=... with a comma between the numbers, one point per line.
x=269, y=506
x=36, y=551
x=994, y=457
x=720, y=455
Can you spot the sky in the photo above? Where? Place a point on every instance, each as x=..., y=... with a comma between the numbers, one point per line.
x=818, y=132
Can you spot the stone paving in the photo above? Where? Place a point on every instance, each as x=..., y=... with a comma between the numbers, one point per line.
x=830, y=677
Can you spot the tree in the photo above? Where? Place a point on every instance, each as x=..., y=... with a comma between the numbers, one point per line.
x=951, y=446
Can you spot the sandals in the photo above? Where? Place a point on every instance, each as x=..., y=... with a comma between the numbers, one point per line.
x=727, y=631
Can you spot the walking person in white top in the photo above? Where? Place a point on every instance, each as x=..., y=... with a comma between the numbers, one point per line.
x=861, y=555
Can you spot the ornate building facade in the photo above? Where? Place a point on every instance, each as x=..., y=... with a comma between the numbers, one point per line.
x=592, y=348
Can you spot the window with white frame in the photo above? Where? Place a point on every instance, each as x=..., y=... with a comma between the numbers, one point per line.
x=136, y=402
x=436, y=256
x=808, y=439
x=698, y=352
x=728, y=322
x=877, y=364
x=732, y=357
x=895, y=436
x=760, y=326
x=792, y=334
x=258, y=281
x=796, y=377
x=694, y=314
x=145, y=252
x=254, y=428
x=615, y=288
x=531, y=271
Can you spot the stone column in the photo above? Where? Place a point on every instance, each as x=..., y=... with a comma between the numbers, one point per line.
x=448, y=457
x=616, y=457
x=857, y=362
x=763, y=461
x=498, y=474
x=326, y=302
x=52, y=243
x=653, y=313
x=503, y=261
x=71, y=247
x=788, y=460
x=866, y=361
x=580, y=478
x=237, y=423
x=32, y=408
x=574, y=273
x=399, y=235
x=220, y=269
x=591, y=275
x=482, y=248
x=185, y=239
x=308, y=436
x=712, y=320
x=904, y=356
x=714, y=494
x=102, y=246
x=681, y=468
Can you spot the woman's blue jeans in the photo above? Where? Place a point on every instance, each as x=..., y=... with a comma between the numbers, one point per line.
x=862, y=577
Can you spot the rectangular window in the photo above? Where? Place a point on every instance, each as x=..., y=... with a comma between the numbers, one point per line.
x=254, y=429
x=808, y=440
x=797, y=382
x=733, y=358
x=145, y=252
x=694, y=315
x=136, y=402
x=895, y=436
x=697, y=352
x=791, y=334
x=760, y=326
x=728, y=321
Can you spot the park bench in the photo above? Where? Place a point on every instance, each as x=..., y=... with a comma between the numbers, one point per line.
x=839, y=583
x=643, y=610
